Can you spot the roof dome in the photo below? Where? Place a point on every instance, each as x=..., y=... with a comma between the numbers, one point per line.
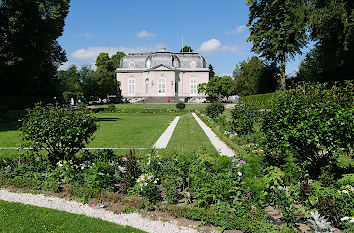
x=182, y=60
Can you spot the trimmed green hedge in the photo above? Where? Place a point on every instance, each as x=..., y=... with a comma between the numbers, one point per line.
x=261, y=100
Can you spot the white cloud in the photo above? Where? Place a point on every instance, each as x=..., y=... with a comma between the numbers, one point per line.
x=214, y=45
x=145, y=34
x=91, y=53
x=210, y=46
x=240, y=29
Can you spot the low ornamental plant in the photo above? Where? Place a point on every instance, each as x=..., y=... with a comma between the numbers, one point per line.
x=181, y=105
x=61, y=131
x=214, y=109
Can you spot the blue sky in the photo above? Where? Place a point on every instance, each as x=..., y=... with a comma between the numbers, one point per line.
x=215, y=29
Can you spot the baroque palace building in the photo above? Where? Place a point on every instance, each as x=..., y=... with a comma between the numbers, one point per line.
x=162, y=75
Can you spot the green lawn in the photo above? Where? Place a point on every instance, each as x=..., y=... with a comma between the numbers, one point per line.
x=130, y=130
x=189, y=137
x=15, y=217
x=152, y=107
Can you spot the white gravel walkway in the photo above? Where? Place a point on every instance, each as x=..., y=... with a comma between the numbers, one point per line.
x=163, y=140
x=219, y=145
x=134, y=220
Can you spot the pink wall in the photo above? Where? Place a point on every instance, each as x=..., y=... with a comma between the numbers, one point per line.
x=202, y=77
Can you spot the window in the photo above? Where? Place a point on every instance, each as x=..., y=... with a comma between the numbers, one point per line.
x=131, y=86
x=194, y=86
x=162, y=85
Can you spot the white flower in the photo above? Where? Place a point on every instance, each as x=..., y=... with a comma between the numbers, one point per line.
x=239, y=173
x=351, y=220
x=122, y=169
x=344, y=218
x=345, y=191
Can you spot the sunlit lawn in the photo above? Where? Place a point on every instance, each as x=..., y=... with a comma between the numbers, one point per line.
x=152, y=107
x=130, y=130
x=15, y=217
x=189, y=137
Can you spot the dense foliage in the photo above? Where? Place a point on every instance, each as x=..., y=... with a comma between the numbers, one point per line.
x=29, y=50
x=277, y=29
x=218, y=87
x=214, y=109
x=252, y=77
x=61, y=131
x=181, y=105
x=319, y=124
x=86, y=84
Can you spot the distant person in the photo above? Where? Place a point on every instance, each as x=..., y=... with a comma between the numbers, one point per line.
x=168, y=99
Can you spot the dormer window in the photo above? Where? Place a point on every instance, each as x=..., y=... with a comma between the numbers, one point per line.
x=175, y=64
x=131, y=64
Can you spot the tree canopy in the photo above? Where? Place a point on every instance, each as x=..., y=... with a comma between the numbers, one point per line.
x=211, y=71
x=277, y=29
x=29, y=51
x=218, y=87
x=186, y=49
x=332, y=28
x=92, y=84
x=252, y=77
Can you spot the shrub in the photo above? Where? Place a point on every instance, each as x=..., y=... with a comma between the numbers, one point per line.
x=61, y=131
x=244, y=117
x=310, y=122
x=260, y=100
x=111, y=108
x=181, y=105
x=215, y=109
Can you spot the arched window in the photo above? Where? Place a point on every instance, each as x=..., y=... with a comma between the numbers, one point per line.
x=131, y=86
x=194, y=86
x=162, y=85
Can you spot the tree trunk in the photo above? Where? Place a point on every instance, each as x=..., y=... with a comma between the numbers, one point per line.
x=282, y=67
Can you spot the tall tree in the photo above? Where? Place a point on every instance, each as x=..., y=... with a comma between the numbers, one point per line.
x=211, y=71
x=252, y=77
x=29, y=51
x=332, y=28
x=218, y=87
x=186, y=49
x=277, y=29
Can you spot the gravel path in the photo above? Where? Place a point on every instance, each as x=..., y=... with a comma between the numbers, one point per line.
x=219, y=145
x=162, y=142
x=134, y=220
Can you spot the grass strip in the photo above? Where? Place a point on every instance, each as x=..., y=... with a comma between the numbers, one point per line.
x=16, y=217
x=189, y=137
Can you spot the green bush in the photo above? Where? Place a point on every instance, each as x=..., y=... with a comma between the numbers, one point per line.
x=244, y=117
x=312, y=123
x=214, y=109
x=260, y=101
x=181, y=105
x=111, y=108
x=61, y=131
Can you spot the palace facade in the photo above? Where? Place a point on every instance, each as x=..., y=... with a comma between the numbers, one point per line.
x=162, y=74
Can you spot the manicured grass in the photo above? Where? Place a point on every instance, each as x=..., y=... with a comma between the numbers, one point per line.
x=10, y=135
x=189, y=137
x=15, y=217
x=130, y=130
x=153, y=107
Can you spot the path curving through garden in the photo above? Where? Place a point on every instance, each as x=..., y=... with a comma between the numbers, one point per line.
x=134, y=220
